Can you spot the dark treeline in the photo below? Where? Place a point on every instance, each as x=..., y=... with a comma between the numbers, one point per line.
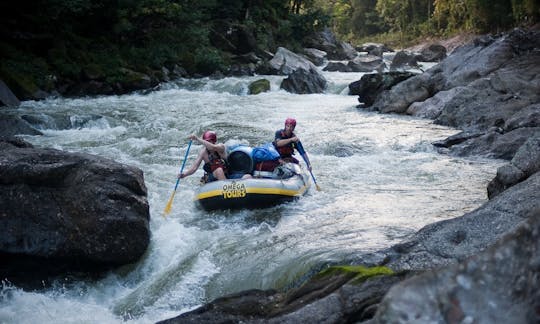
x=47, y=44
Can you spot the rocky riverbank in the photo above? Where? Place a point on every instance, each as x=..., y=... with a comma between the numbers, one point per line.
x=481, y=267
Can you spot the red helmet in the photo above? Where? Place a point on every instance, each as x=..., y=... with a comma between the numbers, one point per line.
x=290, y=121
x=210, y=136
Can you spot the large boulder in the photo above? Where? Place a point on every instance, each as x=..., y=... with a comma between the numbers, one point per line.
x=63, y=212
x=370, y=86
x=11, y=125
x=500, y=285
x=524, y=163
x=304, y=82
x=286, y=62
x=7, y=97
x=326, y=41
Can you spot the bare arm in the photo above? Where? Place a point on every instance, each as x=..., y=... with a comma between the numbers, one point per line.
x=286, y=141
x=194, y=166
x=218, y=147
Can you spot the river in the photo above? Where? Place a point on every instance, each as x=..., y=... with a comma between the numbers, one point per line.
x=381, y=181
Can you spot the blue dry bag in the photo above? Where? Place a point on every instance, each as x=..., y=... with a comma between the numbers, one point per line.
x=265, y=152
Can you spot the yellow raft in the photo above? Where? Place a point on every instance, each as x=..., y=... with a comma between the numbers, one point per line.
x=286, y=183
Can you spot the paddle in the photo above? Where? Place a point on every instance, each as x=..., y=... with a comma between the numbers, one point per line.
x=300, y=149
x=169, y=204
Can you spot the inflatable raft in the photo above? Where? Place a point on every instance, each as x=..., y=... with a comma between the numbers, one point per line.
x=285, y=183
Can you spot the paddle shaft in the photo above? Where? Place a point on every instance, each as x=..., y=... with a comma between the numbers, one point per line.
x=183, y=164
x=168, y=207
x=302, y=152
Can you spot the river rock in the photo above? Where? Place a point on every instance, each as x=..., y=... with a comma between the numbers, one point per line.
x=286, y=62
x=7, y=97
x=63, y=212
x=500, y=285
x=371, y=85
x=258, y=86
x=337, y=298
x=404, y=60
x=15, y=125
x=326, y=41
x=316, y=56
x=432, y=53
x=524, y=163
x=304, y=82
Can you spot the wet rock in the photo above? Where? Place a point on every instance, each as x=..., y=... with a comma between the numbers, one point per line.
x=63, y=212
x=370, y=86
x=7, y=97
x=286, y=62
x=316, y=56
x=14, y=125
x=338, y=298
x=304, y=82
x=259, y=86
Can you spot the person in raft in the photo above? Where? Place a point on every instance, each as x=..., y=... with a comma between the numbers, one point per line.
x=286, y=142
x=214, y=156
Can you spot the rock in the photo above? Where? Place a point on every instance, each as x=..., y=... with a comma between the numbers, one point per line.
x=326, y=41
x=432, y=53
x=14, y=125
x=63, y=212
x=286, y=62
x=337, y=67
x=304, y=82
x=494, y=144
x=337, y=295
x=7, y=97
x=316, y=56
x=499, y=285
x=370, y=86
x=404, y=60
x=261, y=85
x=375, y=49
x=457, y=139
x=366, y=64
x=524, y=163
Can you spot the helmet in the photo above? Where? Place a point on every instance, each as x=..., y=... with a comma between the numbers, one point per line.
x=290, y=121
x=210, y=136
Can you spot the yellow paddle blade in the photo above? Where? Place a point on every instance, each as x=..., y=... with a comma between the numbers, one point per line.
x=318, y=188
x=169, y=205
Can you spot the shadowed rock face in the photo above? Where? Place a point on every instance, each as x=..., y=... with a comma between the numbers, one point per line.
x=63, y=211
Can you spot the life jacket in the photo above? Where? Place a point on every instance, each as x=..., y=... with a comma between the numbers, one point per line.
x=215, y=163
x=286, y=150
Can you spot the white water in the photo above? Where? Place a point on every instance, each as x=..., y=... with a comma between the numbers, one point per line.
x=381, y=180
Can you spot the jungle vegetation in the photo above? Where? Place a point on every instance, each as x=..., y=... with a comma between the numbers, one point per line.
x=45, y=41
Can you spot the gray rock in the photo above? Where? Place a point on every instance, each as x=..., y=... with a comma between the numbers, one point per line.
x=7, y=97
x=15, y=125
x=286, y=62
x=524, y=163
x=62, y=212
x=500, y=285
x=304, y=82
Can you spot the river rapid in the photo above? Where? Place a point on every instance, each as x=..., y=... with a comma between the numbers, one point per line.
x=381, y=181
